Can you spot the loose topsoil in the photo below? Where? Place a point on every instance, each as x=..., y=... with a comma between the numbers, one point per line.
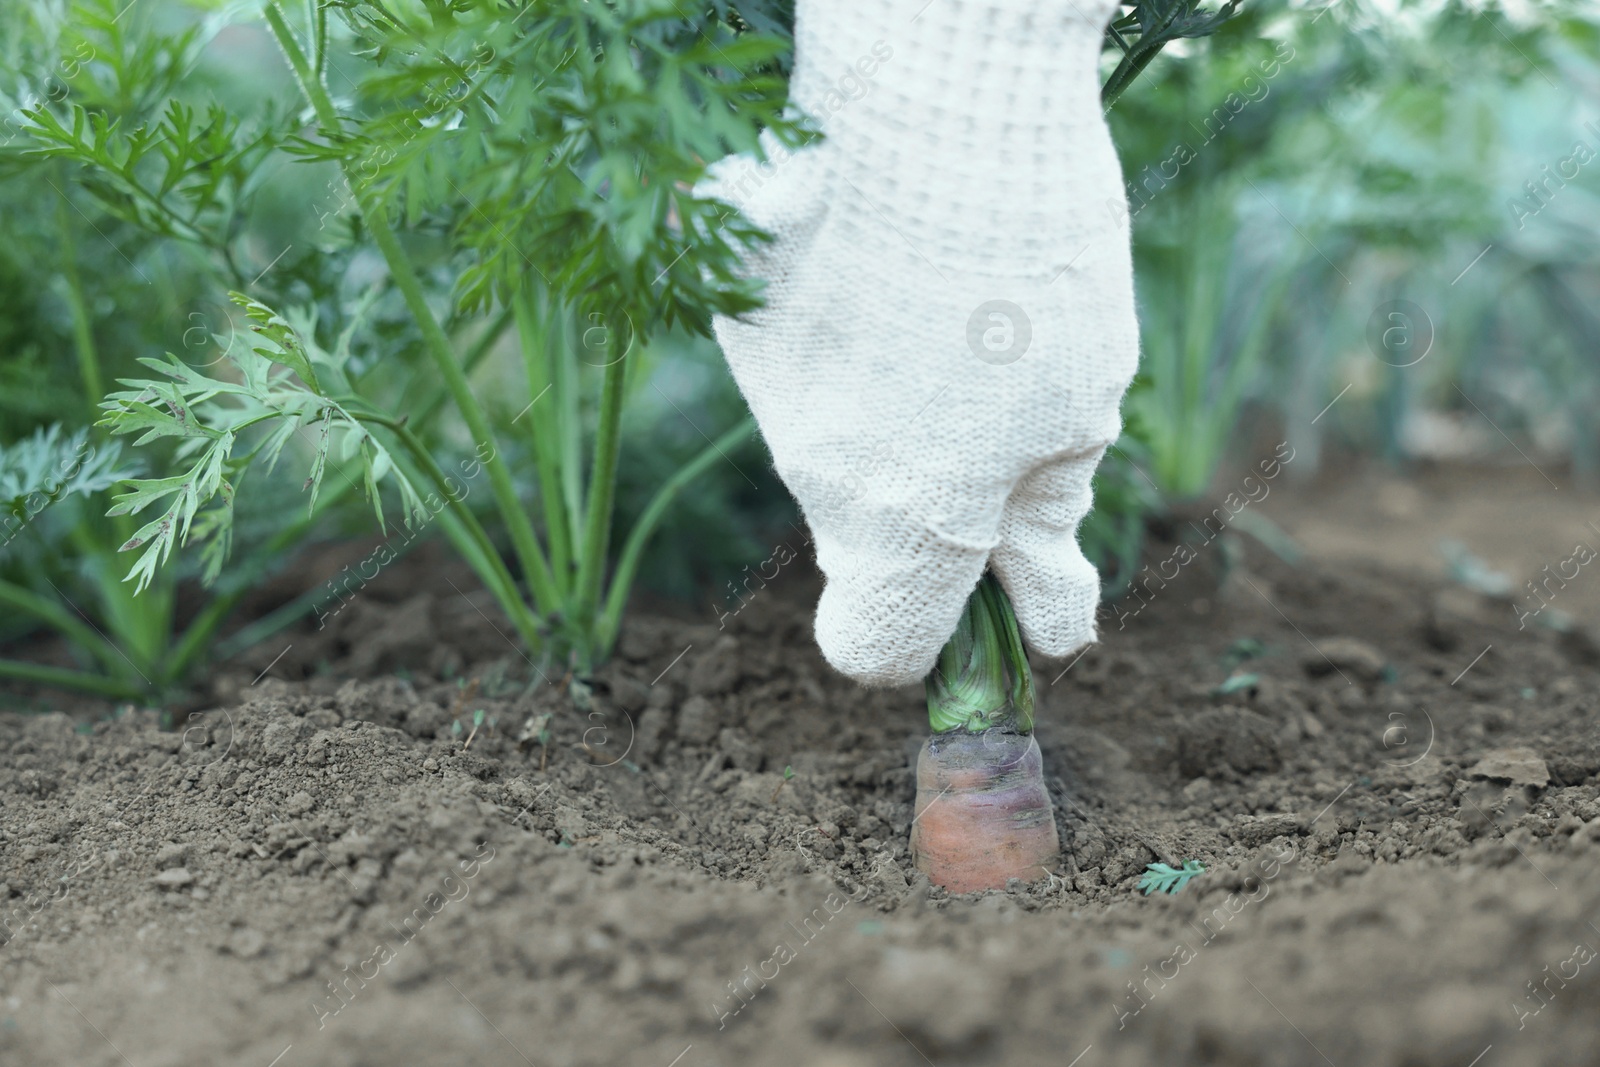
x=699, y=857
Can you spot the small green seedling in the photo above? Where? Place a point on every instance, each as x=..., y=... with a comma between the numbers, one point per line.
x=1160, y=878
x=788, y=773
x=1237, y=681
x=477, y=721
x=536, y=731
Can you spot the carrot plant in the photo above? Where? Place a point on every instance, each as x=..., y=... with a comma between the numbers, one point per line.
x=518, y=170
x=85, y=291
x=1144, y=27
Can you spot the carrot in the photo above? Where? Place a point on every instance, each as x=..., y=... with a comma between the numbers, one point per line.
x=983, y=815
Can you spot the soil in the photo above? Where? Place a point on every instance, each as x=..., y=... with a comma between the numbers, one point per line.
x=1514, y=519
x=698, y=857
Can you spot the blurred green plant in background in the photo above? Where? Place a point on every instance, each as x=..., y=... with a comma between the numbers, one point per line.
x=93, y=285
x=1311, y=166
x=1335, y=158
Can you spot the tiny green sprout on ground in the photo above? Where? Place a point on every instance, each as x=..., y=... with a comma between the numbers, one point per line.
x=1160, y=878
x=788, y=773
x=535, y=731
x=1235, y=682
x=478, y=719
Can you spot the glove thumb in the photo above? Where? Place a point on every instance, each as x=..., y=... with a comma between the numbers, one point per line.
x=1054, y=589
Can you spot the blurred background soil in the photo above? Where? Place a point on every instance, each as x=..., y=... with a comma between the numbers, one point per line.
x=1508, y=517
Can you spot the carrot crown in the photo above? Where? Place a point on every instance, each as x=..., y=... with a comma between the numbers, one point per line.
x=981, y=680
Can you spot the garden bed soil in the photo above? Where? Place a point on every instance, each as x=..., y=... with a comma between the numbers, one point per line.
x=702, y=859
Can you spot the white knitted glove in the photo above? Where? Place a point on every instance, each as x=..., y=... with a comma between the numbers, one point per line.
x=949, y=325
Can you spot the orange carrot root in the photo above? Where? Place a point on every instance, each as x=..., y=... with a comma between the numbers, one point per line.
x=983, y=815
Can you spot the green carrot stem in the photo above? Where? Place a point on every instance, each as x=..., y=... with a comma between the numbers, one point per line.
x=602, y=492
x=569, y=447
x=434, y=399
x=649, y=519
x=981, y=679
x=485, y=560
x=142, y=620
x=82, y=326
x=544, y=427
x=1022, y=694
x=531, y=557
x=65, y=678
x=139, y=623
x=26, y=601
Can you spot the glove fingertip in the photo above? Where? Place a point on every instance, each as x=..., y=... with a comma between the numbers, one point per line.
x=884, y=634
x=1055, y=593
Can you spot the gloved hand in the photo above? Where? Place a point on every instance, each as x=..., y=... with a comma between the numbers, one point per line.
x=949, y=325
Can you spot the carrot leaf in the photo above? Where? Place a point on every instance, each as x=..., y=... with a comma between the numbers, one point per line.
x=1160, y=878
x=274, y=385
